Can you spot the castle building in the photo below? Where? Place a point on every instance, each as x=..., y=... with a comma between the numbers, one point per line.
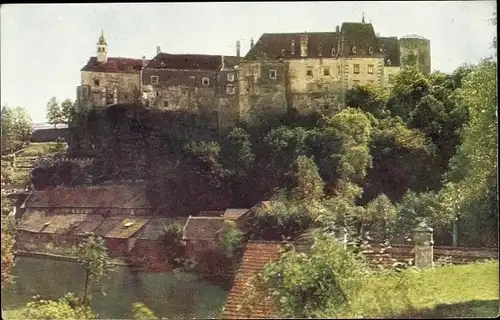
x=109, y=80
x=306, y=72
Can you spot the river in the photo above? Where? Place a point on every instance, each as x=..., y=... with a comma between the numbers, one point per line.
x=169, y=295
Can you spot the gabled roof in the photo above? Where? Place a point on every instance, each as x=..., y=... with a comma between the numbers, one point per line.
x=362, y=36
x=115, y=65
x=190, y=61
x=202, y=228
x=390, y=48
x=255, y=257
x=234, y=214
x=113, y=196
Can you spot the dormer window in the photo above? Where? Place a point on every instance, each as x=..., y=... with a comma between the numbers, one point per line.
x=162, y=64
x=273, y=74
x=333, y=52
x=283, y=53
x=230, y=77
x=205, y=81
x=230, y=89
x=370, y=50
x=354, y=49
x=388, y=62
x=154, y=79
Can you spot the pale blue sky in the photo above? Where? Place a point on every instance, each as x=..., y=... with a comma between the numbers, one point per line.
x=43, y=47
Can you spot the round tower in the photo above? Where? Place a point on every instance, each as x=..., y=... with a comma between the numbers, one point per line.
x=415, y=51
x=102, y=49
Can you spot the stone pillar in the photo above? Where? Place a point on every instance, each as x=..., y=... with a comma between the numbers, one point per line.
x=424, y=255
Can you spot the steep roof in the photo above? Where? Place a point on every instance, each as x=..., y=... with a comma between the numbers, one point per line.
x=202, y=228
x=276, y=45
x=390, y=48
x=113, y=196
x=114, y=65
x=190, y=61
x=255, y=257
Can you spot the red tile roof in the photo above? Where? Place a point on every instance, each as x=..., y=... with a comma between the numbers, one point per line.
x=115, y=65
x=117, y=196
x=255, y=257
x=190, y=61
x=202, y=228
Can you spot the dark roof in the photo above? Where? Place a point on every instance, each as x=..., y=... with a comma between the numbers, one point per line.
x=234, y=214
x=155, y=228
x=255, y=257
x=390, y=47
x=190, y=61
x=113, y=196
x=32, y=221
x=230, y=61
x=276, y=45
x=127, y=228
x=108, y=225
x=116, y=65
x=89, y=224
x=202, y=228
x=63, y=223
x=362, y=36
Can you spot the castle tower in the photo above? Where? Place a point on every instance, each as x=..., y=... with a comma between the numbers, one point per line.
x=102, y=49
x=415, y=51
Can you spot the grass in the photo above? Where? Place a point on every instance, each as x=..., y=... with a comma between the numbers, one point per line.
x=37, y=149
x=452, y=291
x=16, y=313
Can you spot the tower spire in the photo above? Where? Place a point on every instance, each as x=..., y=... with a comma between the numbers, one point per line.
x=102, y=49
x=363, y=18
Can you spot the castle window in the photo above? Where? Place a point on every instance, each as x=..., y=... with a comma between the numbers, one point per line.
x=356, y=82
x=309, y=72
x=388, y=62
x=230, y=89
x=273, y=74
x=230, y=77
x=370, y=50
x=293, y=47
x=205, y=81
x=165, y=103
x=154, y=79
x=326, y=71
x=333, y=52
x=97, y=82
x=356, y=68
x=353, y=49
x=370, y=69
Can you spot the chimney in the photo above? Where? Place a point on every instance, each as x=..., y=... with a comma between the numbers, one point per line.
x=292, y=49
x=222, y=63
x=143, y=60
x=251, y=43
x=238, y=47
x=158, y=49
x=337, y=29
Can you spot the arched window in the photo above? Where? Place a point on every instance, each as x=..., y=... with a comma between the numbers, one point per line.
x=333, y=52
x=370, y=50
x=353, y=49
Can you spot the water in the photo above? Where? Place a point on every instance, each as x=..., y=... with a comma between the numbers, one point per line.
x=169, y=295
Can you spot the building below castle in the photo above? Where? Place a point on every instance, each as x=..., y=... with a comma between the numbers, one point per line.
x=282, y=71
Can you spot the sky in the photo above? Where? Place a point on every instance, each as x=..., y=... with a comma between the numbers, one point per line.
x=44, y=46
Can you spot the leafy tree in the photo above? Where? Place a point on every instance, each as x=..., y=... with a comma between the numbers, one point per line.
x=8, y=242
x=93, y=256
x=67, y=307
x=16, y=128
x=311, y=285
x=409, y=87
x=230, y=238
x=309, y=185
x=237, y=151
x=172, y=238
x=368, y=98
x=67, y=110
x=55, y=115
x=141, y=312
x=380, y=217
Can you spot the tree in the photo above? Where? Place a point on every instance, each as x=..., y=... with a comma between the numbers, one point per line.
x=309, y=185
x=8, y=242
x=141, y=312
x=230, y=238
x=368, y=98
x=237, y=152
x=380, y=216
x=67, y=110
x=16, y=128
x=93, y=256
x=67, y=307
x=55, y=115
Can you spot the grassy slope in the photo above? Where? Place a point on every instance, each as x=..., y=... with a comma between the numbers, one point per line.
x=35, y=149
x=453, y=291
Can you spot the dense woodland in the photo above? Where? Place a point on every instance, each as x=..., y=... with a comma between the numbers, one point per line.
x=423, y=149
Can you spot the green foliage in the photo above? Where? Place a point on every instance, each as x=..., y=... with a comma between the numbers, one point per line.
x=141, y=312
x=8, y=242
x=67, y=307
x=237, y=151
x=93, y=256
x=172, y=239
x=380, y=216
x=16, y=128
x=231, y=238
x=368, y=98
x=306, y=285
x=68, y=111
x=309, y=185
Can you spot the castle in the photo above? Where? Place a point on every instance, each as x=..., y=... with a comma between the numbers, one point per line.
x=304, y=71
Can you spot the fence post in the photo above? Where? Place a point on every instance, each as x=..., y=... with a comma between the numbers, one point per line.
x=424, y=243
